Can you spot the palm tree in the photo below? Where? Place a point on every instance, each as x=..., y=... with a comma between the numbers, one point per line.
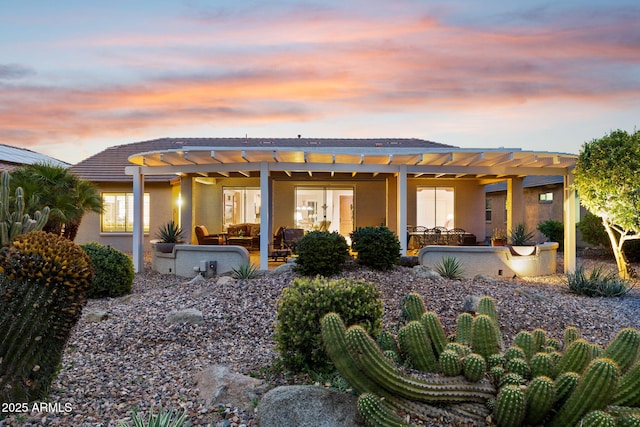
x=68, y=197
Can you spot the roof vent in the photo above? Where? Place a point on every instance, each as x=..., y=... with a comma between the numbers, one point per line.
x=394, y=143
x=266, y=142
x=378, y=144
x=313, y=143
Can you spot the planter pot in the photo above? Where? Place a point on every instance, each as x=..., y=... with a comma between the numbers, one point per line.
x=524, y=250
x=165, y=248
x=498, y=242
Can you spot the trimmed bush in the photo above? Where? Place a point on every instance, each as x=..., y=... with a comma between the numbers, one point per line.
x=593, y=231
x=377, y=247
x=113, y=271
x=321, y=252
x=553, y=230
x=306, y=301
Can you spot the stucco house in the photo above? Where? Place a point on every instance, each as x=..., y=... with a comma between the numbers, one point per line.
x=338, y=184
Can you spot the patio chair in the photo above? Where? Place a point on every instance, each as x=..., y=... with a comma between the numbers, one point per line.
x=440, y=235
x=456, y=236
x=204, y=238
x=290, y=237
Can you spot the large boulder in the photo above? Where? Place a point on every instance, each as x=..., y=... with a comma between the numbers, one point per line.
x=218, y=385
x=308, y=406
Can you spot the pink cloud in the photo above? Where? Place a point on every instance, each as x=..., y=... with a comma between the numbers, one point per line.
x=301, y=65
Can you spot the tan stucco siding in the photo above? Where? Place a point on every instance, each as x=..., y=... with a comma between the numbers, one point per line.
x=160, y=212
x=535, y=212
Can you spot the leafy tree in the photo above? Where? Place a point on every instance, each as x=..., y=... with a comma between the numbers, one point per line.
x=68, y=196
x=608, y=182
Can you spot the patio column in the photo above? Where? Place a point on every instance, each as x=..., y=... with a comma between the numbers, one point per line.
x=265, y=216
x=570, y=210
x=138, y=221
x=515, y=203
x=402, y=208
x=185, y=206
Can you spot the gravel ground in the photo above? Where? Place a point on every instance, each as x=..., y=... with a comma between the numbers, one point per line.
x=134, y=359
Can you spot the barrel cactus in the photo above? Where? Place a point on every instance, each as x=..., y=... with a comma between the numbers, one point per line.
x=43, y=288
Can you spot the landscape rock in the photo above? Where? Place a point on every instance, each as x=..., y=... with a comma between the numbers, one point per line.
x=189, y=315
x=218, y=385
x=197, y=280
x=225, y=280
x=96, y=315
x=282, y=268
x=308, y=406
x=424, y=272
x=470, y=304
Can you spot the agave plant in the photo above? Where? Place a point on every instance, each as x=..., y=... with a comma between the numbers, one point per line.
x=450, y=267
x=161, y=419
x=246, y=270
x=520, y=236
x=170, y=233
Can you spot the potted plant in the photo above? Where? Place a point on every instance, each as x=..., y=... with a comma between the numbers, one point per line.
x=499, y=237
x=168, y=235
x=522, y=240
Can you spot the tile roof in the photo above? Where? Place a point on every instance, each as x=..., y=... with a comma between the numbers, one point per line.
x=527, y=182
x=108, y=165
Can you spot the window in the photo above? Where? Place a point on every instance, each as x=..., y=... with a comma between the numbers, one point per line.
x=117, y=216
x=545, y=197
x=487, y=210
x=241, y=205
x=434, y=207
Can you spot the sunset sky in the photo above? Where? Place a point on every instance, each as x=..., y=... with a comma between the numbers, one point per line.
x=77, y=77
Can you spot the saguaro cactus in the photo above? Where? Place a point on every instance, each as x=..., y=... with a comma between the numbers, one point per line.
x=15, y=222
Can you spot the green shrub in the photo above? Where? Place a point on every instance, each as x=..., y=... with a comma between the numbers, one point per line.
x=593, y=231
x=377, y=247
x=113, y=271
x=246, y=270
x=597, y=284
x=306, y=301
x=450, y=267
x=321, y=252
x=553, y=230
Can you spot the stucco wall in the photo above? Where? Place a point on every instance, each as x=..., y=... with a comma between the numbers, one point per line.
x=160, y=213
x=534, y=211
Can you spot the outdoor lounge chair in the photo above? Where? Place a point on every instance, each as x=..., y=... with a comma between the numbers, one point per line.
x=204, y=238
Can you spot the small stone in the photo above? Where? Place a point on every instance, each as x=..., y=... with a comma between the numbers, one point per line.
x=96, y=316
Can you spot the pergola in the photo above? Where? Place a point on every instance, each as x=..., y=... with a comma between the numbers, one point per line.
x=487, y=166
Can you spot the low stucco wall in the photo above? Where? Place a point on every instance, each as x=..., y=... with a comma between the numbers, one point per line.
x=185, y=259
x=494, y=260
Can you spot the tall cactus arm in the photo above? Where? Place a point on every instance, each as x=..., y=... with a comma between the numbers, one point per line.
x=376, y=414
x=333, y=335
x=371, y=360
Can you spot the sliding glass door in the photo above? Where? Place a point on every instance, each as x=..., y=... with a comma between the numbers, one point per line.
x=324, y=208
